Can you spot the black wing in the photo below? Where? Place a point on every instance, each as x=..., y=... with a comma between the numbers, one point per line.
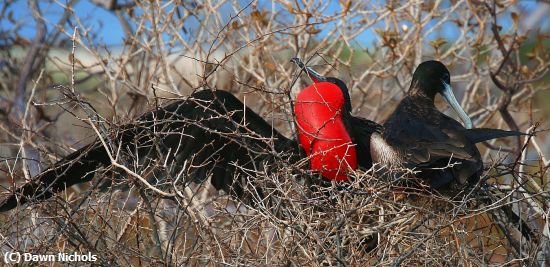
x=426, y=135
x=429, y=141
x=212, y=133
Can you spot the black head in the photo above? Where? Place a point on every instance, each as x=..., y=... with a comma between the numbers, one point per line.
x=430, y=78
x=316, y=77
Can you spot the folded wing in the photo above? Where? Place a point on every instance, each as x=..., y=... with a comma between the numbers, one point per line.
x=211, y=134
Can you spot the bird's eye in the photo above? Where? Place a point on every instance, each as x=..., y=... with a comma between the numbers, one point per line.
x=446, y=77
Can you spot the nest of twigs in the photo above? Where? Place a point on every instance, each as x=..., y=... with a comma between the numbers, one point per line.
x=370, y=221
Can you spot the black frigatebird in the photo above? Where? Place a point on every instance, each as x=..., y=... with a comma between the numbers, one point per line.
x=418, y=136
x=211, y=133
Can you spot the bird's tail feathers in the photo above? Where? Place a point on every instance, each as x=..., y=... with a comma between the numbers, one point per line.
x=478, y=135
x=78, y=167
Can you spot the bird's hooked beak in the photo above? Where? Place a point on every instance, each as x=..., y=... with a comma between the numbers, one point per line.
x=315, y=76
x=450, y=98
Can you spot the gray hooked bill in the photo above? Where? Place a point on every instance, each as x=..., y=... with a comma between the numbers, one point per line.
x=450, y=98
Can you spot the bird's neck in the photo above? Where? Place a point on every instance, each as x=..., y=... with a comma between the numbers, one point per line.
x=419, y=92
x=420, y=100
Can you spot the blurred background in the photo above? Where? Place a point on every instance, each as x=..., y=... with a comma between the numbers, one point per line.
x=120, y=58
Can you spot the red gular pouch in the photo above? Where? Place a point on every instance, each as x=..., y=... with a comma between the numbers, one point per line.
x=319, y=109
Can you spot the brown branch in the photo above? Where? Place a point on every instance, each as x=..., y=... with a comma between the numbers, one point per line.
x=507, y=90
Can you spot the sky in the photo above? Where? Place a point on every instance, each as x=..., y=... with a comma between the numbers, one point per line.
x=103, y=21
x=108, y=28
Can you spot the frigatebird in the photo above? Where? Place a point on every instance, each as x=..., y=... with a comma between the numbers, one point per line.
x=334, y=139
x=418, y=136
x=212, y=133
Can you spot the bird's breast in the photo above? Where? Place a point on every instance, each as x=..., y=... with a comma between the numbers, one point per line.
x=322, y=132
x=383, y=153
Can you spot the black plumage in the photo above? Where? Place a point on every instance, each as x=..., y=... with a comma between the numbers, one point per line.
x=211, y=132
x=418, y=136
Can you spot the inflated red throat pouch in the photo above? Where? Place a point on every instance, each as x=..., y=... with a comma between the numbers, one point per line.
x=322, y=132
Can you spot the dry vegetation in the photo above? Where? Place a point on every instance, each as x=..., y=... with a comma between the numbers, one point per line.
x=54, y=85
